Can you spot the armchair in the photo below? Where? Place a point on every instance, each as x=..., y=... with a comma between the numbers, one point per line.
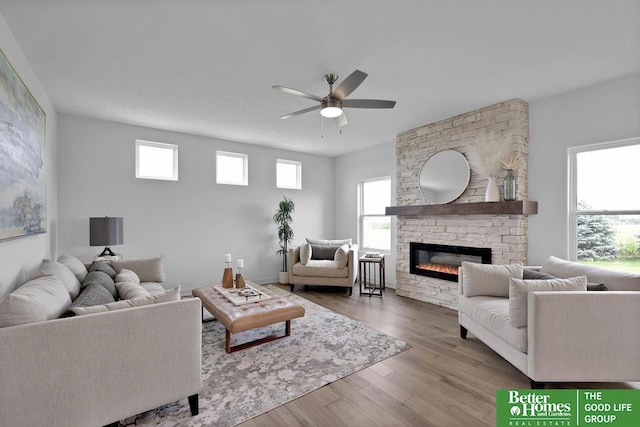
x=323, y=272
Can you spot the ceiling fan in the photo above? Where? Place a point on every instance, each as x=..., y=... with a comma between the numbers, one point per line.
x=331, y=105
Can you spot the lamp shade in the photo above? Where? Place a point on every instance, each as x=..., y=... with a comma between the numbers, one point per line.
x=105, y=231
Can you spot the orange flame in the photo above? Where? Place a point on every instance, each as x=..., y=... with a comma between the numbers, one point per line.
x=440, y=268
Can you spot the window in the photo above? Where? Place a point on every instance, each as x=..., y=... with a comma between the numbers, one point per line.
x=288, y=174
x=155, y=160
x=231, y=168
x=605, y=207
x=375, y=227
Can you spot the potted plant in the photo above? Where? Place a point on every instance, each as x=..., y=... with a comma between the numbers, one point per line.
x=283, y=221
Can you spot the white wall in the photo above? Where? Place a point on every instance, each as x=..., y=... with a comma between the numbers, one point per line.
x=21, y=257
x=192, y=222
x=350, y=169
x=605, y=112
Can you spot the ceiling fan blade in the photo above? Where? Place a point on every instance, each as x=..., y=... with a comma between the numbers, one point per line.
x=349, y=84
x=368, y=103
x=341, y=120
x=297, y=113
x=297, y=93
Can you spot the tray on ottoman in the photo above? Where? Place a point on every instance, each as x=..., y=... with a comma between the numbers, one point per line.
x=242, y=318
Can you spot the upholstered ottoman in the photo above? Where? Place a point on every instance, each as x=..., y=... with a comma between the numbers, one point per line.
x=249, y=316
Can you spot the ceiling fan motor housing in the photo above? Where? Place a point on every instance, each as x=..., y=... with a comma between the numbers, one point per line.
x=331, y=107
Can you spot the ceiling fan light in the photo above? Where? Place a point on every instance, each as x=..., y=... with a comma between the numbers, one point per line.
x=331, y=112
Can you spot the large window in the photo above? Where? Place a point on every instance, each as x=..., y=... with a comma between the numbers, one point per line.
x=288, y=174
x=375, y=227
x=155, y=160
x=231, y=168
x=605, y=204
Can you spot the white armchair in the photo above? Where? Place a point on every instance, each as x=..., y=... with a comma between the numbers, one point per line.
x=570, y=336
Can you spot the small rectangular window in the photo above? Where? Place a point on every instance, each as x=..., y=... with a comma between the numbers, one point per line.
x=288, y=174
x=231, y=168
x=156, y=160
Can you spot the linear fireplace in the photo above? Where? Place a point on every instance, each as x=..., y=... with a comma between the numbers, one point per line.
x=442, y=261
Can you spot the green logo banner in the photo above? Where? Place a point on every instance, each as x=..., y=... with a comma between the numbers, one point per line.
x=546, y=408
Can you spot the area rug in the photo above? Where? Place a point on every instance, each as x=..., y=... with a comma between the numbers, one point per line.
x=323, y=347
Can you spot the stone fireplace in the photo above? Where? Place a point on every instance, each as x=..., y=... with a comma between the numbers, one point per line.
x=503, y=234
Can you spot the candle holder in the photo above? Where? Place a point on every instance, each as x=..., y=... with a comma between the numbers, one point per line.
x=240, y=283
x=227, y=276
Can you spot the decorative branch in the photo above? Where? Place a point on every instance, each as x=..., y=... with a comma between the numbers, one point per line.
x=487, y=154
x=514, y=162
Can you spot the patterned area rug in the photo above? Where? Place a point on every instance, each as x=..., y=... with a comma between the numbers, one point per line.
x=323, y=347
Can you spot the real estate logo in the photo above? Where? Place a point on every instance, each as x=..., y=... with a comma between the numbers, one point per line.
x=545, y=408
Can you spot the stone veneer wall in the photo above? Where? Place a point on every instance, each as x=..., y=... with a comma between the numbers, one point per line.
x=506, y=235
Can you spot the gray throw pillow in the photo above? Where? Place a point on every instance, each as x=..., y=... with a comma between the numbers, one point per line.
x=597, y=287
x=90, y=295
x=102, y=279
x=104, y=267
x=323, y=252
x=530, y=274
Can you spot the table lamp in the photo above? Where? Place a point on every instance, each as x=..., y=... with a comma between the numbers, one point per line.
x=106, y=231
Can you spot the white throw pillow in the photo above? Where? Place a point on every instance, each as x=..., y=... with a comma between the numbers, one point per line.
x=518, y=290
x=127, y=275
x=341, y=256
x=170, y=295
x=130, y=290
x=39, y=299
x=488, y=279
x=148, y=270
x=75, y=265
x=325, y=242
x=305, y=253
x=68, y=279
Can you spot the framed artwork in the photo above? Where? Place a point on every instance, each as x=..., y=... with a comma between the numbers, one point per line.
x=23, y=200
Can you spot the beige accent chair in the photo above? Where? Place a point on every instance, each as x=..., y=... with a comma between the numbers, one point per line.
x=570, y=336
x=323, y=272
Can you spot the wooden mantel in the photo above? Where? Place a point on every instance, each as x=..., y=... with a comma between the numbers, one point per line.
x=517, y=207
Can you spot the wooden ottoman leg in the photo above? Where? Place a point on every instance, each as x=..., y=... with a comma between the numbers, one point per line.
x=287, y=328
x=227, y=341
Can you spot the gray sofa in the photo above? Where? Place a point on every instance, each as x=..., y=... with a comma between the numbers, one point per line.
x=569, y=336
x=326, y=271
x=97, y=369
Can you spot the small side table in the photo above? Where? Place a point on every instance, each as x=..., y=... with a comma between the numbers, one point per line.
x=371, y=284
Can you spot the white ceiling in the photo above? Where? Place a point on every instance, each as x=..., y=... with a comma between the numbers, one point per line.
x=206, y=67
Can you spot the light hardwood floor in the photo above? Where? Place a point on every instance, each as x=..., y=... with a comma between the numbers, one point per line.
x=441, y=381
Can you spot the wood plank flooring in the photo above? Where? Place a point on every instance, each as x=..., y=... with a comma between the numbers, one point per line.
x=441, y=381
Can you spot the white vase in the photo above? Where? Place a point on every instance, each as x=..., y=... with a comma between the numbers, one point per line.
x=492, y=194
x=283, y=277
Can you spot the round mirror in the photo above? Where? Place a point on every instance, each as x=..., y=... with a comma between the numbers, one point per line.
x=444, y=177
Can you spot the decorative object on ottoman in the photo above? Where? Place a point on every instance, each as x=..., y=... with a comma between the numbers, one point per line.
x=283, y=218
x=227, y=276
x=239, y=279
